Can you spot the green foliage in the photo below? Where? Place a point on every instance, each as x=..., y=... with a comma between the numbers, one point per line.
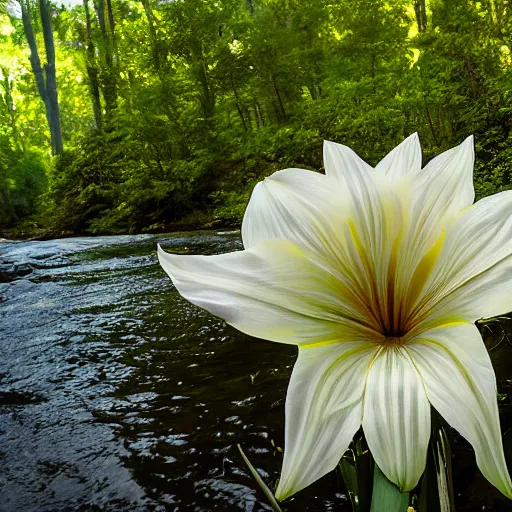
x=115, y=181
x=6, y=209
x=22, y=182
x=494, y=175
x=27, y=176
x=173, y=111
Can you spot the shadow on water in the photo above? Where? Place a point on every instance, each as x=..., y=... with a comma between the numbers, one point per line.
x=116, y=394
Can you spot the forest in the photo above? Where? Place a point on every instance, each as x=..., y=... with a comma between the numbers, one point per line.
x=133, y=116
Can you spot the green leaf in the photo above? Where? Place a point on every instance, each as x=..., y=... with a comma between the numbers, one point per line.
x=349, y=474
x=386, y=495
x=268, y=493
x=356, y=471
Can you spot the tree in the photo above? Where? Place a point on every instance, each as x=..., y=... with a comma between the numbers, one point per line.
x=92, y=67
x=107, y=52
x=45, y=76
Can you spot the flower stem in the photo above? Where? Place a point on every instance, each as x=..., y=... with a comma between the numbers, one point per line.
x=386, y=496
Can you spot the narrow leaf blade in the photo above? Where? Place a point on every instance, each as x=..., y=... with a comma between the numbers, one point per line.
x=268, y=493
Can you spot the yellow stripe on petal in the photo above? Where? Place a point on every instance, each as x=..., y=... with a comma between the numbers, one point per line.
x=358, y=244
x=319, y=344
x=419, y=278
x=424, y=267
x=367, y=268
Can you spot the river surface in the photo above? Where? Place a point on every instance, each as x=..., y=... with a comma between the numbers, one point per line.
x=118, y=395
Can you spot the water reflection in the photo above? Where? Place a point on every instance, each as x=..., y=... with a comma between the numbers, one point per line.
x=115, y=393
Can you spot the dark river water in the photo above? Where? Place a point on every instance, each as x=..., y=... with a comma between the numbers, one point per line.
x=118, y=395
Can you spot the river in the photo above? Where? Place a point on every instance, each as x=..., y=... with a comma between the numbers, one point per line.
x=118, y=395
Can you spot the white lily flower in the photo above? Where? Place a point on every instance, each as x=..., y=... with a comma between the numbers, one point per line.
x=378, y=276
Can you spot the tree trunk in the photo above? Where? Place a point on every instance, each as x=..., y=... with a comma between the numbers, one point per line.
x=207, y=97
x=8, y=102
x=108, y=75
x=111, y=22
x=238, y=106
x=113, y=41
x=430, y=123
x=421, y=15
x=45, y=78
x=259, y=114
x=256, y=117
x=373, y=73
x=92, y=69
x=281, y=110
x=152, y=33
x=51, y=79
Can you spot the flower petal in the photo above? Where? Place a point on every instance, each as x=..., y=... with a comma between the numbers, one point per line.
x=323, y=411
x=402, y=160
x=292, y=204
x=436, y=195
x=272, y=291
x=396, y=418
x=472, y=277
x=445, y=185
x=459, y=381
x=340, y=161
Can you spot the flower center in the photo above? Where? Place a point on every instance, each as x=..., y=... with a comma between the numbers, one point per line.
x=395, y=332
x=392, y=285
x=394, y=341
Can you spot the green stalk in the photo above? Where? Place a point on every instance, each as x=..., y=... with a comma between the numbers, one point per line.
x=268, y=493
x=386, y=495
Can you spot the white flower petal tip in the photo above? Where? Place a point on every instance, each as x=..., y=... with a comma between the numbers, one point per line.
x=160, y=254
x=469, y=143
x=402, y=160
x=293, y=204
x=166, y=260
x=449, y=177
x=340, y=160
x=467, y=151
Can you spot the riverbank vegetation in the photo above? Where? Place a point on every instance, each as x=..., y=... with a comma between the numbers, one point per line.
x=123, y=116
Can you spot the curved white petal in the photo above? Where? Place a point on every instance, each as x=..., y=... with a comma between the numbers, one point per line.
x=396, y=418
x=271, y=291
x=445, y=185
x=323, y=411
x=293, y=204
x=472, y=277
x=459, y=381
x=340, y=161
x=402, y=160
